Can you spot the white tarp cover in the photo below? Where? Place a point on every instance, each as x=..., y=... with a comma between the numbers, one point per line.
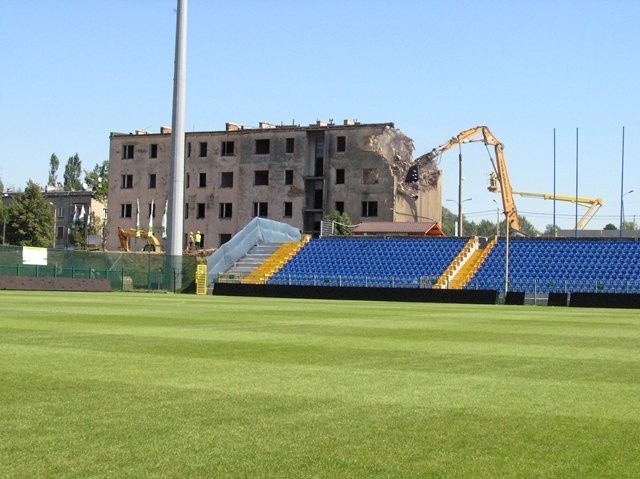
x=258, y=230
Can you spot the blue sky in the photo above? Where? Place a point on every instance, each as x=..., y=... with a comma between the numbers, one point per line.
x=75, y=70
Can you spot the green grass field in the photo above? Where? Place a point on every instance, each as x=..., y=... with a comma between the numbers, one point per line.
x=143, y=385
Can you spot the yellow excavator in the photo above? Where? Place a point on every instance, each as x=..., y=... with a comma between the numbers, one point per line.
x=153, y=245
x=592, y=204
x=501, y=176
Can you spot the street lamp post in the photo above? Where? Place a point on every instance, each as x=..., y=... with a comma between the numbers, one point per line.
x=459, y=204
x=497, y=218
x=4, y=217
x=622, y=211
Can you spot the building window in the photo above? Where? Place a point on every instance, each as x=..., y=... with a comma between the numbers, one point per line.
x=202, y=180
x=153, y=150
x=262, y=146
x=226, y=210
x=227, y=148
x=125, y=210
x=200, y=212
x=288, y=177
x=203, y=149
x=188, y=150
x=127, y=182
x=224, y=237
x=152, y=180
x=187, y=180
x=340, y=206
x=261, y=177
x=369, y=208
x=261, y=209
x=152, y=210
x=60, y=212
x=288, y=209
x=370, y=176
x=186, y=211
x=341, y=145
x=127, y=152
x=226, y=179
x=289, y=145
x=340, y=176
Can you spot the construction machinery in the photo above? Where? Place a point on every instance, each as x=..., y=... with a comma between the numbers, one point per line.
x=153, y=245
x=592, y=204
x=501, y=176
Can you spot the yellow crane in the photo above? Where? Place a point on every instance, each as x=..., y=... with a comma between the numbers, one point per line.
x=500, y=175
x=592, y=204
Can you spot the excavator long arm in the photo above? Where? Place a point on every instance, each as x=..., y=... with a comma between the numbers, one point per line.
x=483, y=134
x=592, y=204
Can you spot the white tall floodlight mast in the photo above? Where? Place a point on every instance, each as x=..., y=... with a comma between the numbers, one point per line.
x=176, y=191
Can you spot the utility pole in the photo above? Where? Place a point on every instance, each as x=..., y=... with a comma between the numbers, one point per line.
x=176, y=192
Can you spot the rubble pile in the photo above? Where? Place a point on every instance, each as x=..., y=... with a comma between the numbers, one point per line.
x=411, y=175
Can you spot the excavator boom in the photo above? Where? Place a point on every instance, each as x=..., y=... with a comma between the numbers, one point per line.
x=484, y=135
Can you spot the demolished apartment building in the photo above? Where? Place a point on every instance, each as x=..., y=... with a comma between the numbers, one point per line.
x=289, y=173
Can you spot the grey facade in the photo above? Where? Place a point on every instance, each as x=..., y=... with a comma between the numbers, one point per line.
x=287, y=173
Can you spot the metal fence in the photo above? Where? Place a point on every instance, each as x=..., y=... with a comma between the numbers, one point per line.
x=125, y=271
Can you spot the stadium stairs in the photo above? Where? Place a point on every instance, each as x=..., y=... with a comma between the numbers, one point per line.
x=468, y=269
x=273, y=263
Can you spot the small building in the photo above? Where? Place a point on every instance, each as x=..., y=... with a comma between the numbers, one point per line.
x=75, y=212
x=388, y=228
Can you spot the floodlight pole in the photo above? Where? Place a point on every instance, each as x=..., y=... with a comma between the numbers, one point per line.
x=176, y=194
x=506, y=264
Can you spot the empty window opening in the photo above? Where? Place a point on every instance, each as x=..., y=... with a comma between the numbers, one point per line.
x=125, y=210
x=203, y=149
x=201, y=211
x=226, y=210
x=226, y=179
x=289, y=145
x=127, y=182
x=261, y=177
x=369, y=208
x=370, y=176
x=261, y=209
x=288, y=209
x=127, y=152
x=341, y=144
x=288, y=177
x=263, y=146
x=227, y=148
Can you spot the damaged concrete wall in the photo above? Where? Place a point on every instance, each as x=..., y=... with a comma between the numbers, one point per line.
x=418, y=182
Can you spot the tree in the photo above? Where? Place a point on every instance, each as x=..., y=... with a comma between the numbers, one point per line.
x=30, y=218
x=549, y=231
x=484, y=228
x=72, y=172
x=527, y=228
x=343, y=224
x=610, y=226
x=98, y=180
x=54, y=163
x=1, y=186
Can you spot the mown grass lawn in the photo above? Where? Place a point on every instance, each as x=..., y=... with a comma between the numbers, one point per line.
x=135, y=385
